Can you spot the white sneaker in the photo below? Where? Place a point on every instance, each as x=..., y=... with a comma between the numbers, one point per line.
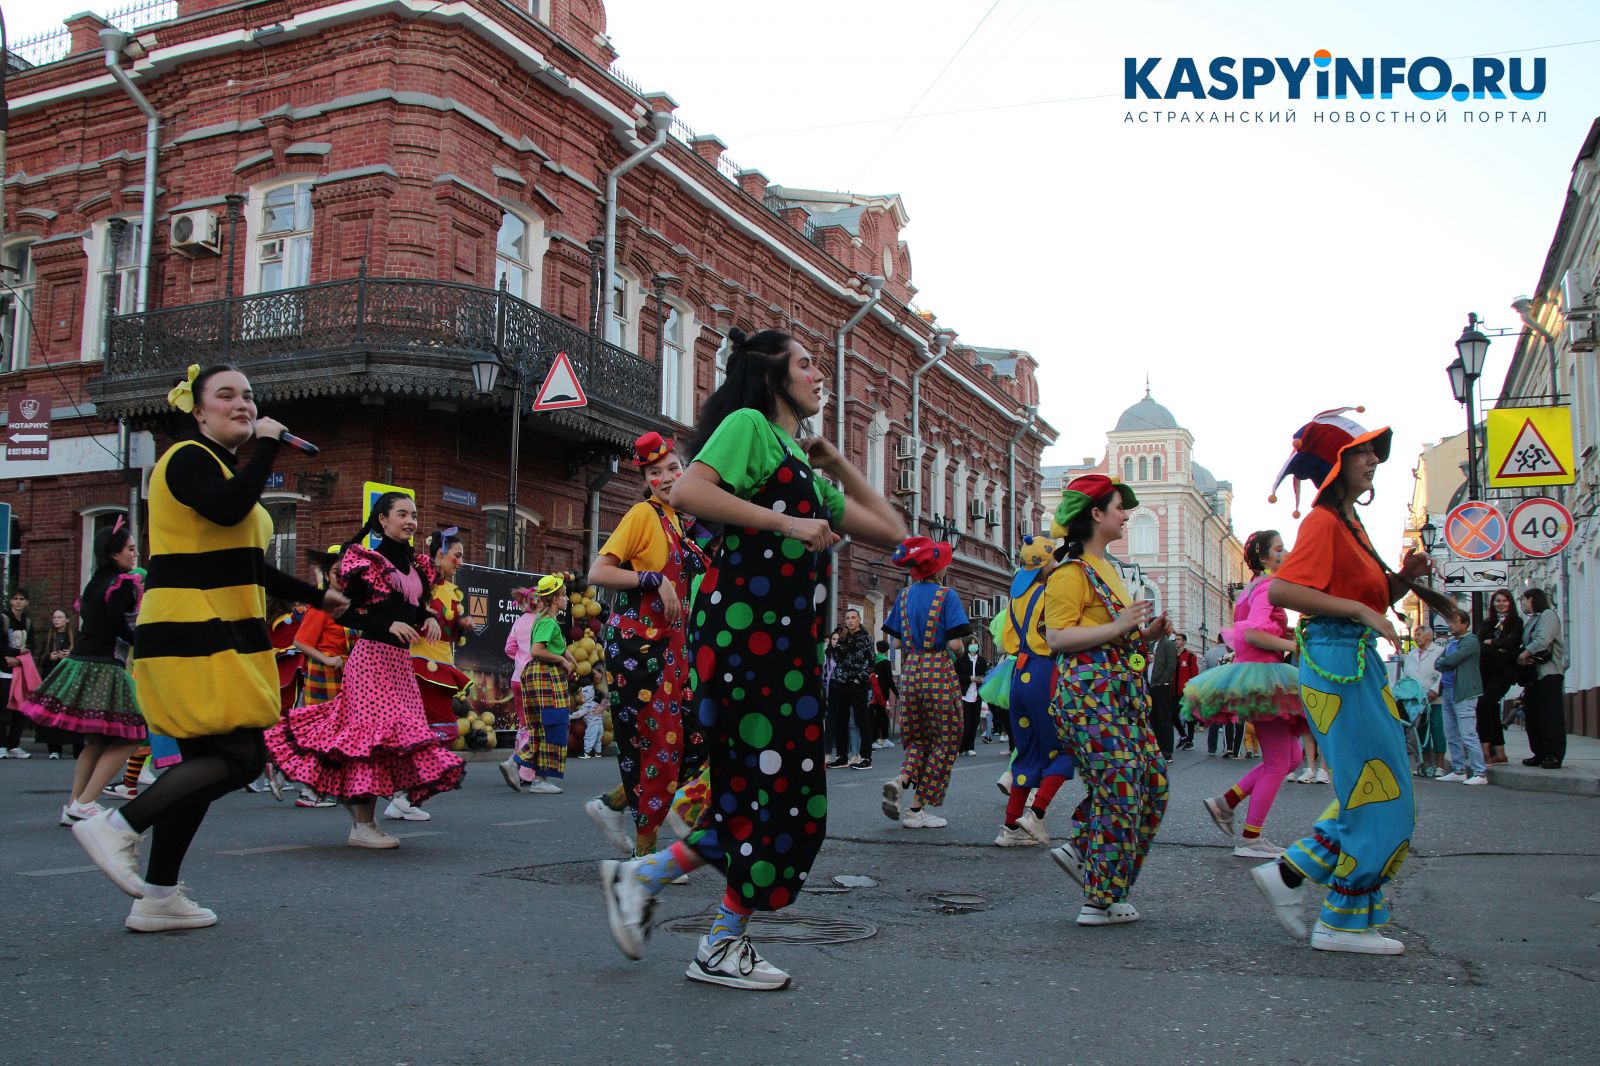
x=923, y=820
x=1015, y=838
x=1476, y=779
x=18, y=753
x=400, y=808
x=54, y=755
x=119, y=791
x=1033, y=825
x=628, y=907
x=1091, y=915
x=1003, y=783
x=145, y=776
x=1221, y=814
x=275, y=782
x=618, y=826
x=177, y=911
x=1322, y=777
x=1307, y=777
x=1371, y=942
x=368, y=835
x=258, y=786
x=893, y=793
x=1067, y=857
x=1286, y=902
x=970, y=751
x=544, y=787
x=508, y=770
x=1292, y=778
x=735, y=963
x=115, y=851
x=1454, y=777
x=75, y=812
x=1260, y=848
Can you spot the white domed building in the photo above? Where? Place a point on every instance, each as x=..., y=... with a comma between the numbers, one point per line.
x=1180, y=537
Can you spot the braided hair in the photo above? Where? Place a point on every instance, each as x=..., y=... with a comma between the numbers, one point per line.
x=1333, y=498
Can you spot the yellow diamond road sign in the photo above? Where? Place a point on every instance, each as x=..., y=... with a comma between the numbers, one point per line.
x=1530, y=446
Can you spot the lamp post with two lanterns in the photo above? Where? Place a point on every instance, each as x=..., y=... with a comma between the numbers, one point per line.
x=1471, y=349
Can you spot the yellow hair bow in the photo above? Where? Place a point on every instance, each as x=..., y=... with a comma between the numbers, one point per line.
x=182, y=394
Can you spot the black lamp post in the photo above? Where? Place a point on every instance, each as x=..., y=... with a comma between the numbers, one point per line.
x=1471, y=349
x=1430, y=536
x=486, y=379
x=1204, y=631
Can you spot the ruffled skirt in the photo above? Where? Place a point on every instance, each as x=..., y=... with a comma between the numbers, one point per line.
x=372, y=739
x=88, y=696
x=1245, y=692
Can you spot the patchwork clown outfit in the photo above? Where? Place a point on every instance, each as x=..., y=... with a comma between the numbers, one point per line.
x=925, y=617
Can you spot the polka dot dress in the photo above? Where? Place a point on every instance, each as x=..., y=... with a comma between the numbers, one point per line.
x=757, y=690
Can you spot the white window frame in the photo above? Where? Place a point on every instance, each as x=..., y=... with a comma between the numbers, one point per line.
x=877, y=451
x=280, y=499
x=99, y=252
x=623, y=329
x=959, y=506
x=677, y=363
x=936, y=484
x=720, y=372
x=1155, y=468
x=19, y=306
x=536, y=242
x=1144, y=535
x=255, y=223
x=497, y=555
x=86, y=524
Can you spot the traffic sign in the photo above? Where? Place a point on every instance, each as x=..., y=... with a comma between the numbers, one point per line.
x=5, y=529
x=370, y=491
x=27, y=428
x=1541, y=527
x=1483, y=575
x=1475, y=530
x=561, y=388
x=1530, y=446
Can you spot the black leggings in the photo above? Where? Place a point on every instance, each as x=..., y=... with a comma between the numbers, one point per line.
x=177, y=803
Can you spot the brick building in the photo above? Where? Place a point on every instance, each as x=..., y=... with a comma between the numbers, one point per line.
x=358, y=203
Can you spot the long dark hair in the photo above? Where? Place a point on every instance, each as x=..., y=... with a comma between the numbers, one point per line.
x=1081, y=529
x=109, y=542
x=1333, y=498
x=187, y=428
x=1256, y=547
x=381, y=506
x=758, y=378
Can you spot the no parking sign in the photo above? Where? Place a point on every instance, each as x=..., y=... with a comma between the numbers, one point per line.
x=1475, y=530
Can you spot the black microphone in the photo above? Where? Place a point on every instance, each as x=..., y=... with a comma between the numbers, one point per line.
x=298, y=442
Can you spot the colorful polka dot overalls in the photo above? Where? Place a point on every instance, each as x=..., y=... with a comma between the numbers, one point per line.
x=657, y=745
x=757, y=690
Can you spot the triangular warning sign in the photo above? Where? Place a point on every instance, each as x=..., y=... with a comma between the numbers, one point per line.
x=1530, y=457
x=560, y=388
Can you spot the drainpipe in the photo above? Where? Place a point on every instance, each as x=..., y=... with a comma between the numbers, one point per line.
x=661, y=122
x=1011, y=479
x=874, y=294
x=942, y=338
x=593, y=520
x=114, y=41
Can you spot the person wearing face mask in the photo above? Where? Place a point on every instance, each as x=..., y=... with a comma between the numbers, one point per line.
x=970, y=670
x=203, y=664
x=372, y=739
x=650, y=561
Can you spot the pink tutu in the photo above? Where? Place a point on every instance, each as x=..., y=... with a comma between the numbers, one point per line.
x=372, y=739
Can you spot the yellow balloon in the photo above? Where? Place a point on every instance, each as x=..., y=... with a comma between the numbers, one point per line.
x=488, y=720
x=459, y=744
x=463, y=726
x=584, y=669
x=494, y=741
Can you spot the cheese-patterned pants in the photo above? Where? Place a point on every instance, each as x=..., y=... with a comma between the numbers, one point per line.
x=1362, y=838
x=930, y=723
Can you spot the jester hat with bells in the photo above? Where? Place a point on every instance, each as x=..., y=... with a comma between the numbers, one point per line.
x=1319, y=448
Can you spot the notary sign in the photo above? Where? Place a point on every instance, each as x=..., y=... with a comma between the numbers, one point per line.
x=1530, y=446
x=27, y=428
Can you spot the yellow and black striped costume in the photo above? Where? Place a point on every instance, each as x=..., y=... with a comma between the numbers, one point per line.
x=203, y=662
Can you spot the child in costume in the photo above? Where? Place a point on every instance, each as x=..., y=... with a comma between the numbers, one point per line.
x=1040, y=763
x=592, y=715
x=754, y=639
x=1101, y=638
x=89, y=693
x=372, y=739
x=326, y=645
x=931, y=625
x=1259, y=687
x=650, y=561
x=545, y=697
x=1340, y=586
x=434, y=661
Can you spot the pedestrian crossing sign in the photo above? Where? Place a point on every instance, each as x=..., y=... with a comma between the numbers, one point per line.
x=1530, y=446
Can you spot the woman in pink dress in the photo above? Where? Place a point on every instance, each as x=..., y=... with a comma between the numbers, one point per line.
x=1259, y=687
x=372, y=739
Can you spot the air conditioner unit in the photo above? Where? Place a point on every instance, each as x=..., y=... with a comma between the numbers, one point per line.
x=193, y=232
x=907, y=485
x=993, y=517
x=980, y=609
x=1001, y=602
x=1583, y=336
x=907, y=448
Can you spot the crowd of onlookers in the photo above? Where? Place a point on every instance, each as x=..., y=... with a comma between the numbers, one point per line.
x=29, y=654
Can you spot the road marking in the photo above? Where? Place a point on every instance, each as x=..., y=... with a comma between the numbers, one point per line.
x=58, y=871
x=525, y=821
x=423, y=833
x=266, y=850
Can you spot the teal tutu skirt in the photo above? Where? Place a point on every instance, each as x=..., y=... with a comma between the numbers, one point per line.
x=1244, y=692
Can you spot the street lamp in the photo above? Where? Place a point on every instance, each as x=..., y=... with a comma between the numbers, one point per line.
x=485, y=378
x=945, y=530
x=1430, y=536
x=1471, y=349
x=1203, y=632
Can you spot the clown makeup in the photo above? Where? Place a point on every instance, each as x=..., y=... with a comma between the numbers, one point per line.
x=1273, y=557
x=662, y=474
x=806, y=380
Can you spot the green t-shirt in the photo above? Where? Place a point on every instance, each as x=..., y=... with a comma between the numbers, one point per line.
x=747, y=449
x=547, y=631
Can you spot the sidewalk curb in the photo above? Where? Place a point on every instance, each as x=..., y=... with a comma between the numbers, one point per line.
x=1533, y=779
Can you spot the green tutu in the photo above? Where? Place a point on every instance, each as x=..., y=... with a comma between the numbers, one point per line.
x=1244, y=692
x=90, y=696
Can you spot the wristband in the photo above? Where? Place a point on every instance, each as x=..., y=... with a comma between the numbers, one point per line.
x=650, y=579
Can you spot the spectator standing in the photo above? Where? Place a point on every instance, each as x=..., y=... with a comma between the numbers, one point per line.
x=847, y=695
x=1421, y=664
x=1545, y=651
x=1188, y=669
x=1460, y=685
x=1501, y=637
x=56, y=645
x=883, y=690
x=1164, y=693
x=970, y=671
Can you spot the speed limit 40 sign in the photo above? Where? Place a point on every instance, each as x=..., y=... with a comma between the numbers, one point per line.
x=1541, y=527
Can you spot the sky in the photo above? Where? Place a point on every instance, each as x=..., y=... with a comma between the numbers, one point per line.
x=1255, y=273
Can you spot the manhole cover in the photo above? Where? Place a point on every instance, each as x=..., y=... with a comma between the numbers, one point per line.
x=781, y=928
x=854, y=881
x=960, y=902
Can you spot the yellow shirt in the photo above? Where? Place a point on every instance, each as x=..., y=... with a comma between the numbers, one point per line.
x=638, y=541
x=1010, y=640
x=1069, y=599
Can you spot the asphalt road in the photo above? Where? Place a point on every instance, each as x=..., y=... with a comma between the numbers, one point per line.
x=482, y=940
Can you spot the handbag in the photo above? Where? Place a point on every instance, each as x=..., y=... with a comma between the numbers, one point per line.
x=996, y=687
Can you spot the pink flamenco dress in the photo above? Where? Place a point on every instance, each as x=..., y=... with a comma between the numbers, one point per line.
x=372, y=739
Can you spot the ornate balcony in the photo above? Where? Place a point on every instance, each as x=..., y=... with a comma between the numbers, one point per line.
x=370, y=336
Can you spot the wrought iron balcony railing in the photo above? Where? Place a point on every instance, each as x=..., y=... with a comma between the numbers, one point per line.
x=427, y=332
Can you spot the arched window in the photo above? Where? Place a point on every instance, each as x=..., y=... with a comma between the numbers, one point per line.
x=1127, y=469
x=1155, y=468
x=1144, y=469
x=1142, y=535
